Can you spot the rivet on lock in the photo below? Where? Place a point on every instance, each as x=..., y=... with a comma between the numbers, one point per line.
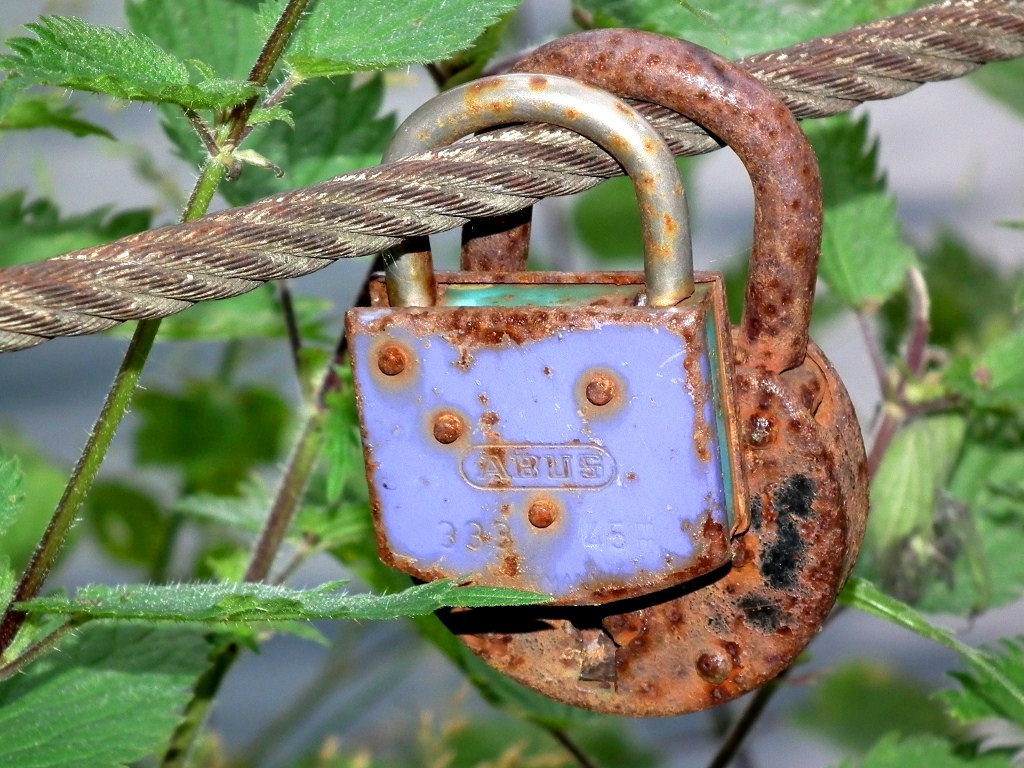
x=557, y=432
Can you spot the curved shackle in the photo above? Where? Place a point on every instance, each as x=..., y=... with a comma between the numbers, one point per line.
x=604, y=119
x=742, y=112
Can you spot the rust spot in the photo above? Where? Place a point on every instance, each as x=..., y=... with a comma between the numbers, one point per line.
x=391, y=360
x=631, y=477
x=538, y=83
x=600, y=389
x=543, y=512
x=448, y=428
x=714, y=666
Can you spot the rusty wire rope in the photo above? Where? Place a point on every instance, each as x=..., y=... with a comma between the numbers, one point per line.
x=162, y=271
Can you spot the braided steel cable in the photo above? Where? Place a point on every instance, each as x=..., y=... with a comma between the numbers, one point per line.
x=162, y=271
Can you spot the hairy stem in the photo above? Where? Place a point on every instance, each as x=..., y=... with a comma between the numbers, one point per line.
x=91, y=459
x=36, y=650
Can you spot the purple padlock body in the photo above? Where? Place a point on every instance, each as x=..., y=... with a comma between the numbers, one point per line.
x=577, y=452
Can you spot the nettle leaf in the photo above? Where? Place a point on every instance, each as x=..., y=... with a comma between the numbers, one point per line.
x=995, y=377
x=232, y=603
x=126, y=522
x=71, y=53
x=343, y=448
x=111, y=695
x=9, y=89
x=864, y=259
x=45, y=112
x=977, y=699
x=737, y=28
x=35, y=230
x=835, y=707
x=992, y=460
x=222, y=37
x=253, y=315
x=902, y=550
x=892, y=752
x=339, y=38
x=215, y=433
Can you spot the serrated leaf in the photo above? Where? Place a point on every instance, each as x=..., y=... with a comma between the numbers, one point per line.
x=38, y=112
x=71, y=53
x=232, y=603
x=222, y=37
x=901, y=548
x=35, y=230
x=245, y=512
x=110, y=696
x=995, y=377
x=999, y=687
x=253, y=315
x=864, y=259
x=264, y=115
x=215, y=433
x=341, y=38
x=928, y=751
x=737, y=28
x=342, y=451
x=978, y=699
x=836, y=706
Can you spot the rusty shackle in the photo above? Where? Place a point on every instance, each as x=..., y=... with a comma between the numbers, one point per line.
x=723, y=99
x=589, y=111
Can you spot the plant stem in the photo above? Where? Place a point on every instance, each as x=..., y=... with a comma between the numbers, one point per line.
x=36, y=650
x=742, y=727
x=91, y=459
x=293, y=484
x=571, y=747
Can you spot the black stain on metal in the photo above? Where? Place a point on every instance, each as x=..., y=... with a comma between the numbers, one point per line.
x=782, y=556
x=761, y=613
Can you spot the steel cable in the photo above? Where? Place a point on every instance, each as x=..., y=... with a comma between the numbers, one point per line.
x=162, y=271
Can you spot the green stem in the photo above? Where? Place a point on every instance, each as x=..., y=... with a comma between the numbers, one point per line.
x=91, y=459
x=36, y=650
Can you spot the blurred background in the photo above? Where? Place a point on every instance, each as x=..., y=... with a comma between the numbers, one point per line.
x=953, y=161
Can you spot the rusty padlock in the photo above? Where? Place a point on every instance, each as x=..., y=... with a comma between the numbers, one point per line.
x=802, y=469
x=523, y=406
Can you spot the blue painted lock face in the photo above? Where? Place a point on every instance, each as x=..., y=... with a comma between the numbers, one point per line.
x=579, y=452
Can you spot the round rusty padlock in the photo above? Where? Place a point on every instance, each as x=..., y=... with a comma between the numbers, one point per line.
x=712, y=639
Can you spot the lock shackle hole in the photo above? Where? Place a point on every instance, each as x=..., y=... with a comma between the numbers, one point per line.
x=738, y=109
x=604, y=119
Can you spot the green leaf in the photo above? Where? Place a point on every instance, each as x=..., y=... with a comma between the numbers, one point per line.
x=253, y=315
x=215, y=433
x=337, y=129
x=901, y=547
x=469, y=64
x=43, y=112
x=126, y=522
x=1002, y=80
x=7, y=580
x=928, y=751
x=340, y=38
x=231, y=603
x=999, y=686
x=221, y=36
x=9, y=89
x=343, y=449
x=245, y=512
x=32, y=231
x=995, y=377
x=969, y=298
x=992, y=459
x=977, y=699
x=38, y=489
x=737, y=28
x=864, y=259
x=110, y=696
x=12, y=495
x=836, y=706
x=71, y=53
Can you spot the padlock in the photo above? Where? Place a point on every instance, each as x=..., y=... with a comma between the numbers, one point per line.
x=556, y=432
x=801, y=465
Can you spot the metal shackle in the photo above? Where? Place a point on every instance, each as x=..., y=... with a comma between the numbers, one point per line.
x=604, y=119
x=722, y=98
